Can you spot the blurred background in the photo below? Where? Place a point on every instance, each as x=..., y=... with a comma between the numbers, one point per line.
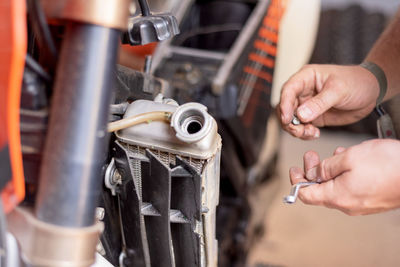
x=300, y=235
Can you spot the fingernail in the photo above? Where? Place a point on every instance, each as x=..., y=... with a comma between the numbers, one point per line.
x=311, y=174
x=316, y=135
x=294, y=173
x=304, y=112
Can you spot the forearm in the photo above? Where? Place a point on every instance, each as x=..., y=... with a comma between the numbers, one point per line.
x=386, y=54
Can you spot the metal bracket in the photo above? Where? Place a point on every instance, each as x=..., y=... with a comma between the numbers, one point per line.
x=149, y=29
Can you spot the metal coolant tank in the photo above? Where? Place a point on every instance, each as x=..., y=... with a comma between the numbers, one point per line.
x=175, y=170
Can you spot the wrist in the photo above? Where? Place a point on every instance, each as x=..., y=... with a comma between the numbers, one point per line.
x=380, y=77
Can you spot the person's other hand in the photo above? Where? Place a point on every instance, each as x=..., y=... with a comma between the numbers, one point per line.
x=359, y=180
x=322, y=95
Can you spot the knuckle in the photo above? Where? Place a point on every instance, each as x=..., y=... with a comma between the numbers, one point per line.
x=308, y=67
x=339, y=150
x=337, y=84
x=348, y=156
x=284, y=88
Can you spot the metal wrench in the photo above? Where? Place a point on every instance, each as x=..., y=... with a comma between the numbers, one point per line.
x=291, y=198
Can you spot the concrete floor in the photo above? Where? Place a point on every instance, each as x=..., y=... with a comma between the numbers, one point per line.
x=308, y=236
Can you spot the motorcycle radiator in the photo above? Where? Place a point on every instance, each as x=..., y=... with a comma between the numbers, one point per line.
x=166, y=178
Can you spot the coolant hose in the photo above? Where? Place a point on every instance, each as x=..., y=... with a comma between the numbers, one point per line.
x=140, y=118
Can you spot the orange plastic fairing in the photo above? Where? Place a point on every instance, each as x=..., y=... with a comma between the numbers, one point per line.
x=13, y=38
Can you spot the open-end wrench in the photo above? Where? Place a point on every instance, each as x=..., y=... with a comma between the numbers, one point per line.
x=291, y=198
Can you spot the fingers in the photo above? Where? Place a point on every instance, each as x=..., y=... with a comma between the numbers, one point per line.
x=334, y=166
x=319, y=104
x=303, y=131
x=314, y=194
x=300, y=84
x=311, y=161
x=319, y=194
x=326, y=170
x=330, y=194
x=296, y=175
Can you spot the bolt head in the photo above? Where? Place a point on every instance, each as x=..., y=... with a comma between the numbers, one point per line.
x=100, y=213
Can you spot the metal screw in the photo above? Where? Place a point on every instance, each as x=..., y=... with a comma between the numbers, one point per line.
x=100, y=213
x=116, y=178
x=204, y=209
x=295, y=120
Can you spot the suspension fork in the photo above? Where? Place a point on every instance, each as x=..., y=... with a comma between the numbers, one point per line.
x=62, y=230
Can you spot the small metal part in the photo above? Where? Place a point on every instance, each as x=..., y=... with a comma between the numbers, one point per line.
x=147, y=64
x=295, y=120
x=291, y=198
x=112, y=177
x=191, y=122
x=152, y=28
x=100, y=213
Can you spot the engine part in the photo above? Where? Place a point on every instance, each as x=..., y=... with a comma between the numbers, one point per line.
x=132, y=85
x=173, y=139
x=191, y=122
x=112, y=177
x=142, y=118
x=170, y=187
x=291, y=198
x=151, y=28
x=229, y=69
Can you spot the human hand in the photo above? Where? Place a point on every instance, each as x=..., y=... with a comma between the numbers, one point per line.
x=359, y=180
x=322, y=95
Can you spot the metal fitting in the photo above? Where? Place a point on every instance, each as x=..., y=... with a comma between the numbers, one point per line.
x=191, y=122
x=48, y=245
x=112, y=177
x=100, y=213
x=110, y=14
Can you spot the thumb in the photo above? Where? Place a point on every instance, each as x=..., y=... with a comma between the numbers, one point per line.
x=332, y=167
x=317, y=105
